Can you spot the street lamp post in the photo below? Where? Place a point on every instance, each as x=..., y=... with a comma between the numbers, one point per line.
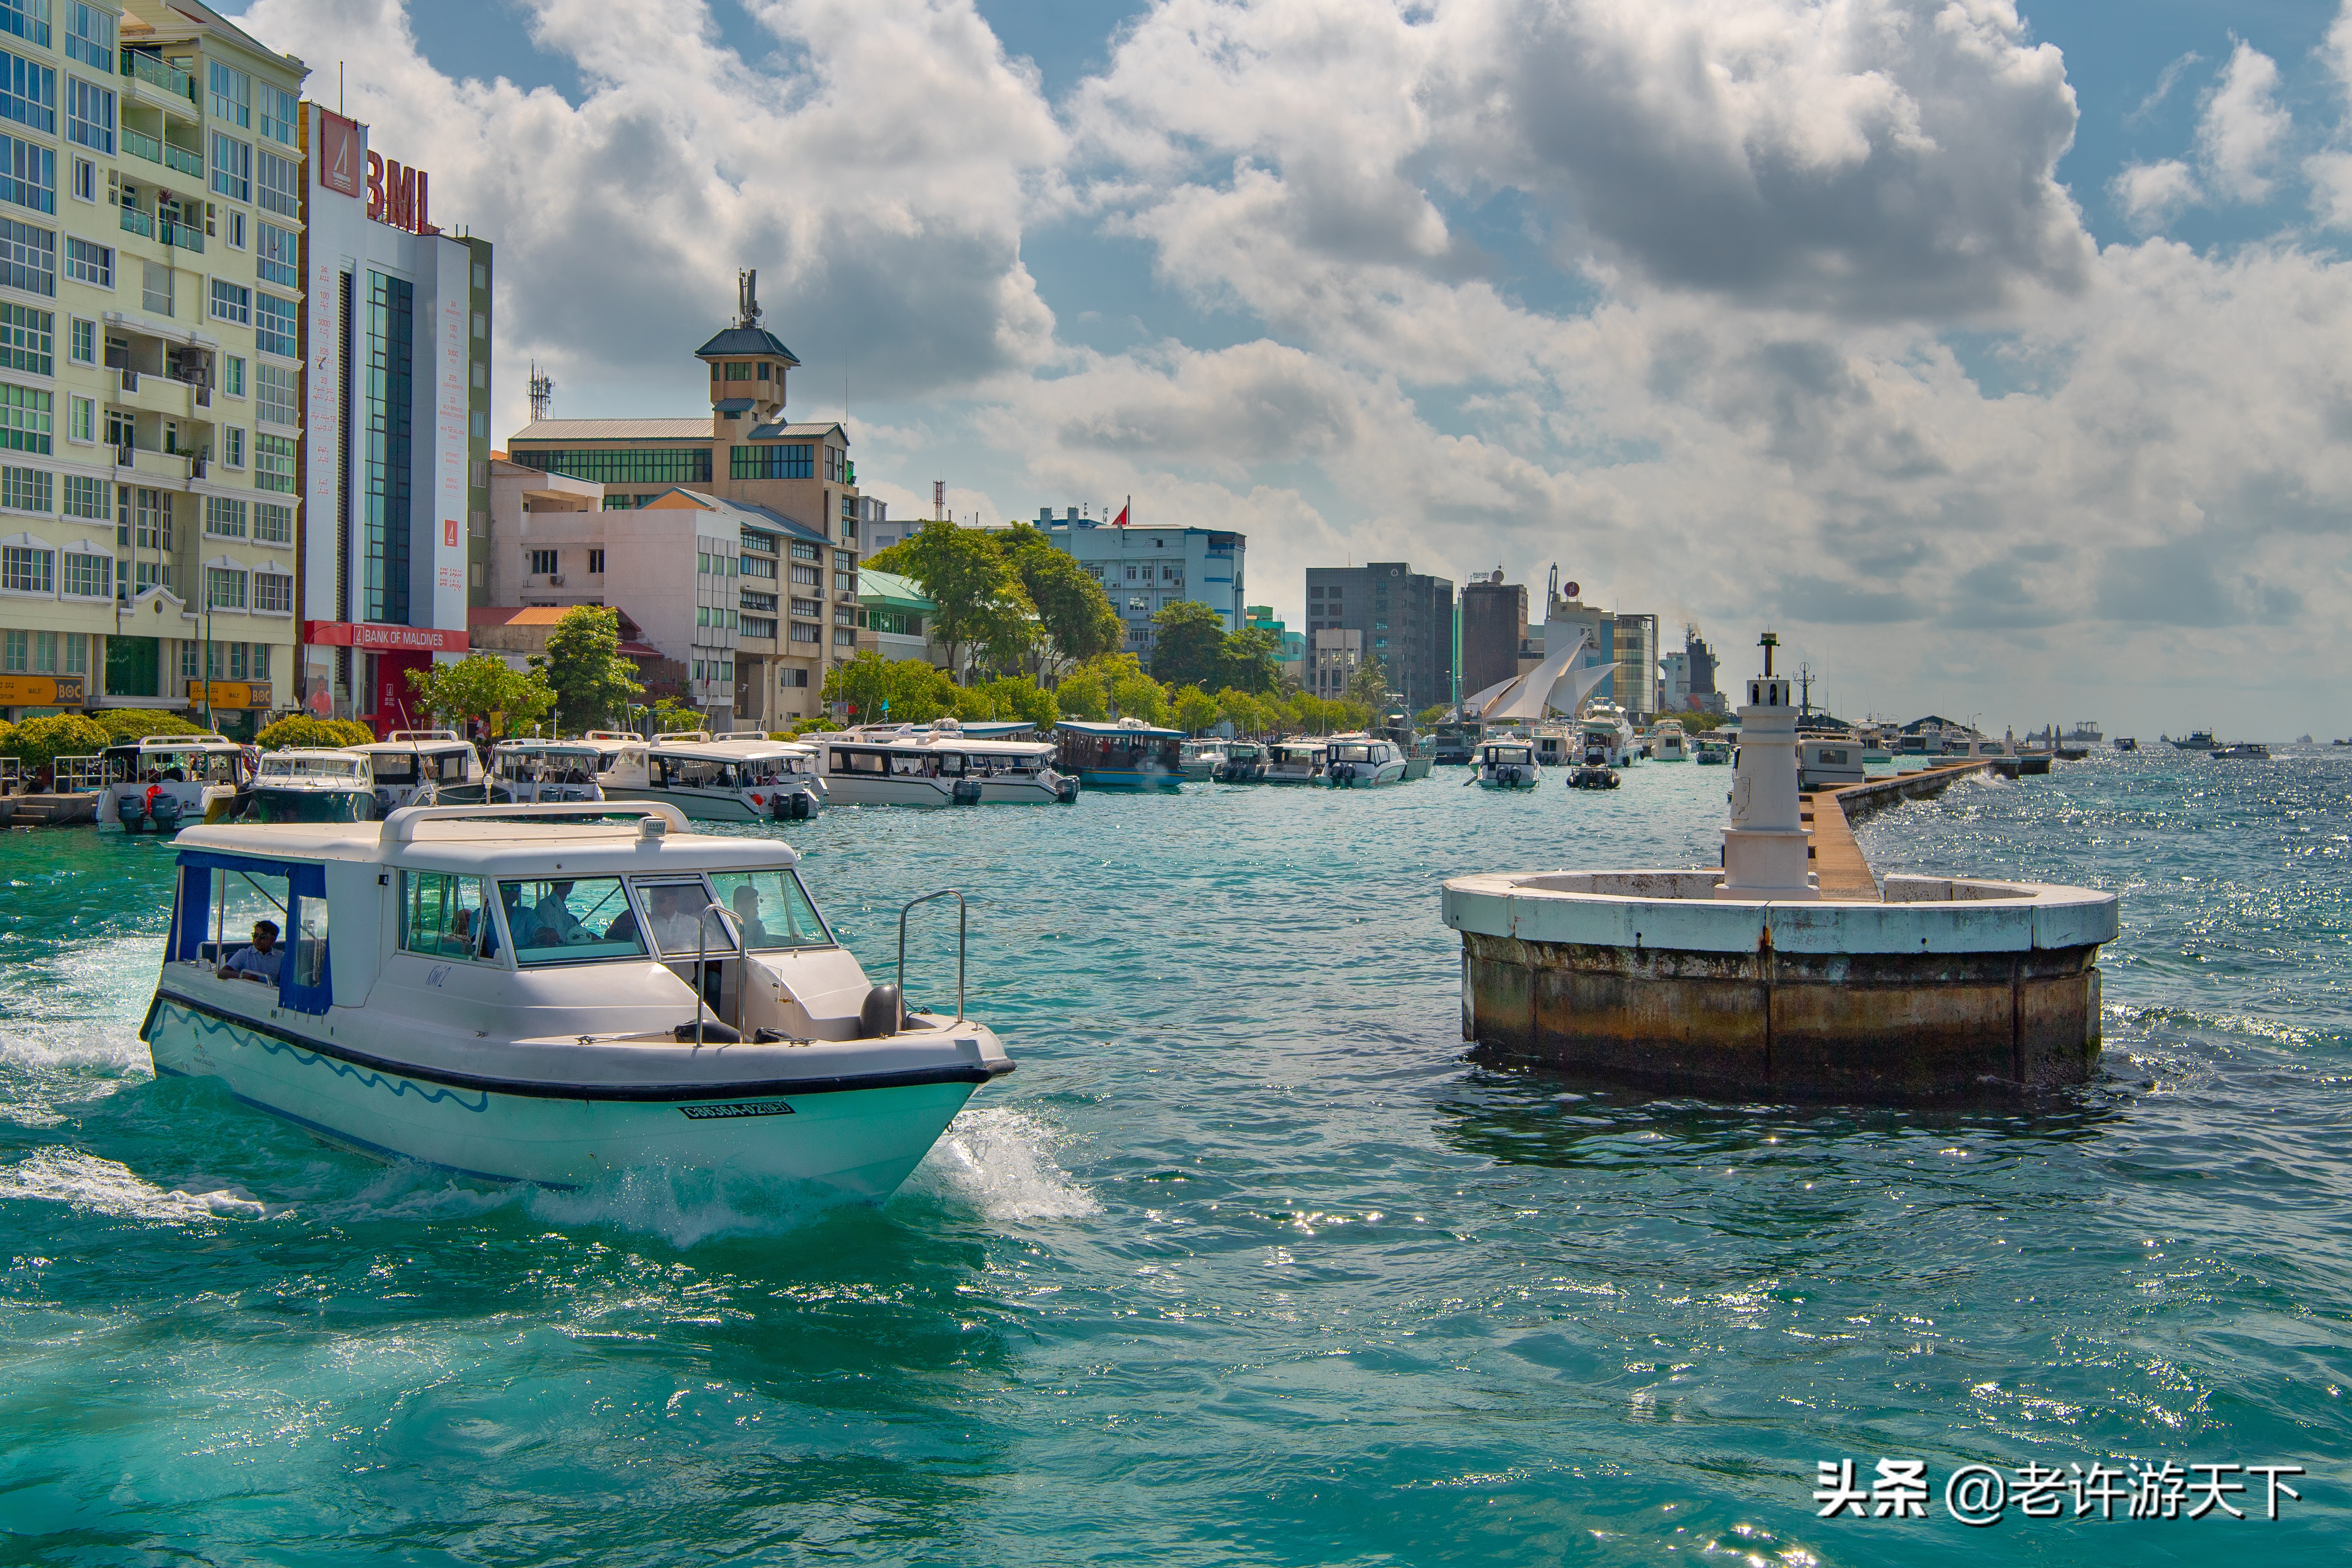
x=209, y=727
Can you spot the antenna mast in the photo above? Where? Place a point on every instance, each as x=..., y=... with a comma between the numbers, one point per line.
x=543, y=393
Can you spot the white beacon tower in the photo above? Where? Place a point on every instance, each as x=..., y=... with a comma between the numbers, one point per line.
x=1767, y=848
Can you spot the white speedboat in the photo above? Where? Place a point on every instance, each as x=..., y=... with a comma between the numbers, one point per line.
x=160, y=782
x=1243, y=763
x=1608, y=738
x=720, y=781
x=1714, y=753
x=525, y=771
x=312, y=785
x=1669, y=744
x=1507, y=764
x=940, y=766
x=1199, y=758
x=1294, y=761
x=1359, y=761
x=487, y=991
x=425, y=767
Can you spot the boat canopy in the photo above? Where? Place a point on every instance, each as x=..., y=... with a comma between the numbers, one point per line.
x=1123, y=729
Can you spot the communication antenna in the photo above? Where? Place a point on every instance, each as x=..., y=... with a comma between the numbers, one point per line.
x=1805, y=681
x=747, y=297
x=543, y=393
x=940, y=500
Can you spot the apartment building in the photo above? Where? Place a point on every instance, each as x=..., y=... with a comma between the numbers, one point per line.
x=1406, y=619
x=802, y=619
x=150, y=189
x=1144, y=570
x=394, y=456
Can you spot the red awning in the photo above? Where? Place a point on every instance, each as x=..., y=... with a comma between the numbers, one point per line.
x=364, y=634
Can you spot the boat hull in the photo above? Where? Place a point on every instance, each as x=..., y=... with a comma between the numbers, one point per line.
x=718, y=804
x=1133, y=778
x=861, y=1140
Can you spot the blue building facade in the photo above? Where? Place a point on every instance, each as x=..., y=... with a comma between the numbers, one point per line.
x=1144, y=570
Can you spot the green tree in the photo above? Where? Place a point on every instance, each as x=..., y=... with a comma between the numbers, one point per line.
x=481, y=685
x=1189, y=645
x=1431, y=715
x=1195, y=709
x=38, y=742
x=1248, y=714
x=1368, y=685
x=1007, y=697
x=1251, y=660
x=1134, y=694
x=883, y=690
x=1084, y=693
x=1074, y=619
x=299, y=731
x=976, y=598
x=126, y=725
x=669, y=716
x=585, y=668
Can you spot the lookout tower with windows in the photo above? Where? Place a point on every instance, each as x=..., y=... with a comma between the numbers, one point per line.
x=747, y=366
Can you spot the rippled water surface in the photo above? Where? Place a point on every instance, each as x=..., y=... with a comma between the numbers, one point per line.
x=1245, y=1264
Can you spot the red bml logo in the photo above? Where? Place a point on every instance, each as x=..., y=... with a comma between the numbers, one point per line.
x=449, y=531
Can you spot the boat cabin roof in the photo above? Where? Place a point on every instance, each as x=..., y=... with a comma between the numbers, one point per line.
x=166, y=743
x=313, y=756
x=728, y=751
x=1125, y=727
x=501, y=841
x=423, y=744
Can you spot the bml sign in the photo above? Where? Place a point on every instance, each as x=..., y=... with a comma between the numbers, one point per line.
x=399, y=197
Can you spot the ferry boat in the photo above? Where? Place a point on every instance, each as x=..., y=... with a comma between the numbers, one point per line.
x=1243, y=763
x=716, y=780
x=525, y=771
x=1129, y=754
x=1295, y=761
x=425, y=767
x=511, y=999
x=1362, y=762
x=324, y=785
x=159, y=782
x=2128, y=744
x=1199, y=758
x=1508, y=764
x=2195, y=741
x=898, y=765
x=1714, y=753
x=1669, y=742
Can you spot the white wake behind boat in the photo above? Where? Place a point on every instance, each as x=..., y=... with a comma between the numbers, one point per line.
x=507, y=996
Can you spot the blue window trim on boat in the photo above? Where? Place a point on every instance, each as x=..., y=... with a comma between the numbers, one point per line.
x=304, y=880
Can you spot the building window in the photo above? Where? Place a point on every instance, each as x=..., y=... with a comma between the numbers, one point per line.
x=738, y=369
x=842, y=638
x=157, y=285
x=81, y=419
x=230, y=302
x=233, y=446
x=81, y=340
x=28, y=257
x=757, y=566
x=275, y=399
x=24, y=418
x=28, y=19
x=25, y=570
x=277, y=257
x=90, y=576
x=542, y=562
x=25, y=341
x=85, y=497
x=278, y=112
x=90, y=35
x=787, y=460
x=28, y=174
x=25, y=489
x=272, y=524
x=143, y=519
x=224, y=516
x=277, y=183
x=752, y=539
x=273, y=594
x=837, y=466
x=807, y=609
x=674, y=465
x=808, y=577
x=29, y=93
x=235, y=228
x=224, y=587
x=480, y=422
x=232, y=95
x=595, y=563
x=232, y=168
x=274, y=326
x=481, y=376
x=233, y=376
x=85, y=180
x=802, y=634
x=89, y=119
x=273, y=464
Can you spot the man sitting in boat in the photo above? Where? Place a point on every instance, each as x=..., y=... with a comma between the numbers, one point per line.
x=259, y=963
x=747, y=916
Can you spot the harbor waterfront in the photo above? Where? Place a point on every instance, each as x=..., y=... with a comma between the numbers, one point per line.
x=1246, y=1263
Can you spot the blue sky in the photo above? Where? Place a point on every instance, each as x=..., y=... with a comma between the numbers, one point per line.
x=1852, y=339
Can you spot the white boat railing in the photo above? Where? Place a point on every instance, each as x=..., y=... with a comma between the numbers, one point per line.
x=963, y=921
x=401, y=825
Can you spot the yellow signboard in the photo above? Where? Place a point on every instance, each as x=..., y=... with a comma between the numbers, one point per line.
x=227, y=694
x=41, y=690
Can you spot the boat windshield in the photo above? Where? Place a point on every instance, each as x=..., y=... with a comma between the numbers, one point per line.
x=311, y=767
x=1507, y=754
x=1351, y=753
x=772, y=910
x=567, y=920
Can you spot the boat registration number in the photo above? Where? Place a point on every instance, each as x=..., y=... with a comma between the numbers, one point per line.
x=736, y=1107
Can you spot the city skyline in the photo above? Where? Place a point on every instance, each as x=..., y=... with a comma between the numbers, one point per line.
x=1989, y=360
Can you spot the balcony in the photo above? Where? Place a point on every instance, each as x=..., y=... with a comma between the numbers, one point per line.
x=186, y=236
x=136, y=222
x=156, y=72
x=154, y=394
x=143, y=463
x=186, y=160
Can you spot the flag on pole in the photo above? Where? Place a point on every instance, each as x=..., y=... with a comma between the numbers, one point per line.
x=1120, y=520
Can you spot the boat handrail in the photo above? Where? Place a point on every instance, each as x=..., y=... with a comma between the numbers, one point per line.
x=963, y=924
x=400, y=827
x=702, y=957
x=184, y=742
x=423, y=735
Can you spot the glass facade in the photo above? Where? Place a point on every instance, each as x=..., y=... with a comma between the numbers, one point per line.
x=391, y=339
x=790, y=460
x=672, y=466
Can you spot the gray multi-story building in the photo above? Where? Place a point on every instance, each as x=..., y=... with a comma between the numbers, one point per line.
x=1406, y=619
x=1144, y=570
x=1494, y=624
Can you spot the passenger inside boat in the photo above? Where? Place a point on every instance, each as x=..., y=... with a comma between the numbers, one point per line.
x=260, y=962
x=772, y=908
x=568, y=919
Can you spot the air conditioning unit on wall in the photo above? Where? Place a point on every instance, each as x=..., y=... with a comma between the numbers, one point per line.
x=555, y=579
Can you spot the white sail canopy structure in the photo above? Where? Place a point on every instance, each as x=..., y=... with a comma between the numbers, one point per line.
x=1539, y=692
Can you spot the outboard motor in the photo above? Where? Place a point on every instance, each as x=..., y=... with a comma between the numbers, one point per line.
x=1342, y=774
x=790, y=806
x=884, y=1013
x=164, y=814
x=132, y=809
x=1066, y=791
x=966, y=792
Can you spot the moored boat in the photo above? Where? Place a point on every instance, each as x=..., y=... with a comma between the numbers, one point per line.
x=158, y=783
x=1713, y=754
x=720, y=781
x=881, y=765
x=1128, y=754
x=2195, y=741
x=316, y=784
x=1295, y=761
x=1243, y=763
x=1199, y=758
x=507, y=998
x=1361, y=760
x=1669, y=742
x=1508, y=764
x=425, y=767
x=525, y=771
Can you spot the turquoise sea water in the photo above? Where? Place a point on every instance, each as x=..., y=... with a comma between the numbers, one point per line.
x=1247, y=1264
